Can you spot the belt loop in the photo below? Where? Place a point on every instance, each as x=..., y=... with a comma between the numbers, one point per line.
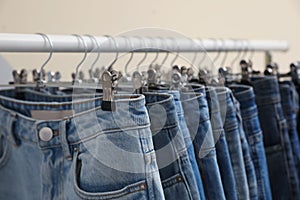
x=64, y=141
x=8, y=122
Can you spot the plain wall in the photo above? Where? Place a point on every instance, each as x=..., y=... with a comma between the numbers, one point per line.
x=253, y=19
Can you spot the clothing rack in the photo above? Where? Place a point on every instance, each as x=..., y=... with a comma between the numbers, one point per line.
x=71, y=43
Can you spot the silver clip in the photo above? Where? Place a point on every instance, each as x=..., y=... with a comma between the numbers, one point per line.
x=37, y=74
x=176, y=79
x=20, y=77
x=152, y=78
x=137, y=80
x=109, y=83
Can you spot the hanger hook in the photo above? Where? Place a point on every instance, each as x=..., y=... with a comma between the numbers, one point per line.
x=46, y=38
x=203, y=57
x=238, y=54
x=145, y=56
x=82, y=41
x=131, y=55
x=156, y=56
x=194, y=58
x=94, y=40
x=117, y=52
x=177, y=53
x=245, y=50
x=252, y=53
x=225, y=55
x=166, y=57
x=218, y=50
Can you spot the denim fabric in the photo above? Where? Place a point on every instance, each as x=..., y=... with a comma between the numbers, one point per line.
x=188, y=140
x=223, y=156
x=281, y=164
x=93, y=154
x=287, y=93
x=197, y=118
x=232, y=135
x=249, y=165
x=245, y=96
x=175, y=169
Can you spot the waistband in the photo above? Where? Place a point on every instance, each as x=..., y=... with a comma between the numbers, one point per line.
x=194, y=87
x=19, y=125
x=266, y=90
x=212, y=99
x=195, y=102
x=287, y=101
x=162, y=111
x=244, y=94
x=226, y=102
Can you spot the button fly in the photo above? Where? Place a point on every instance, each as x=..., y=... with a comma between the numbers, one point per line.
x=46, y=134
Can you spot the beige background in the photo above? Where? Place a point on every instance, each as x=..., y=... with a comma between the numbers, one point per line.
x=255, y=19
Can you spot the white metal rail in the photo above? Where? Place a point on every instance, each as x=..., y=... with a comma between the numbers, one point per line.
x=70, y=43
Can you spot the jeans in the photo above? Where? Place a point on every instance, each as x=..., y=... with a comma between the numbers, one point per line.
x=281, y=164
x=232, y=135
x=197, y=118
x=249, y=165
x=245, y=96
x=188, y=139
x=287, y=92
x=93, y=154
x=223, y=156
x=175, y=169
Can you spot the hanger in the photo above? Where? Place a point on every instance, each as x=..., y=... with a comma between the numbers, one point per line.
x=20, y=78
x=109, y=80
x=202, y=74
x=93, y=75
x=127, y=75
x=138, y=78
x=78, y=77
x=162, y=64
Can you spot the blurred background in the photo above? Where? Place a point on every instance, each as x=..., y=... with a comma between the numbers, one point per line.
x=237, y=19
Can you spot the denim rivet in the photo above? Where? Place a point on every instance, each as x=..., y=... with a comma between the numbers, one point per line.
x=76, y=149
x=179, y=178
x=69, y=157
x=46, y=134
x=143, y=186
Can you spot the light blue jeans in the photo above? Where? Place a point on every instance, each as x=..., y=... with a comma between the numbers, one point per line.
x=90, y=154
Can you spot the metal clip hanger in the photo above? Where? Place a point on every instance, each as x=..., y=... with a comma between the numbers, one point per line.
x=109, y=80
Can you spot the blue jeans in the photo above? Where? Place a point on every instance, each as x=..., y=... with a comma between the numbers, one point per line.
x=281, y=164
x=250, y=169
x=232, y=135
x=197, y=119
x=245, y=96
x=187, y=138
x=223, y=155
x=288, y=96
x=175, y=169
x=86, y=155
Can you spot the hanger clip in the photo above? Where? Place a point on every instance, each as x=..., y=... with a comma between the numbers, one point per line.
x=295, y=72
x=109, y=80
x=19, y=77
x=246, y=70
x=39, y=78
x=138, y=82
x=271, y=70
x=152, y=79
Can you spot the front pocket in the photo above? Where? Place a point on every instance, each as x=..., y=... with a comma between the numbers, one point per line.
x=4, y=151
x=175, y=188
x=135, y=190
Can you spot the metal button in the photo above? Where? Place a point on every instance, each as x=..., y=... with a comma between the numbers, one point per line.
x=46, y=134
